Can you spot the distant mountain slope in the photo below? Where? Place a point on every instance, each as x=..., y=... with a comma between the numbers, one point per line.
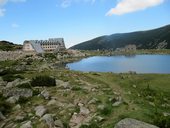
x=152, y=39
x=9, y=46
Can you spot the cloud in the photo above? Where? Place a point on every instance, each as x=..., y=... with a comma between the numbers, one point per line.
x=14, y=25
x=2, y=11
x=67, y=3
x=4, y=2
x=128, y=6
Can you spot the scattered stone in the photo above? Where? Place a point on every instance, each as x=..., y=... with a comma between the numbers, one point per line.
x=40, y=111
x=93, y=101
x=129, y=92
x=52, y=102
x=133, y=123
x=17, y=107
x=80, y=104
x=99, y=118
x=94, y=90
x=20, y=118
x=2, y=117
x=27, y=125
x=139, y=95
x=134, y=86
x=13, y=83
x=84, y=111
x=12, y=100
x=45, y=94
x=48, y=120
x=58, y=124
x=152, y=104
x=166, y=114
x=117, y=103
x=2, y=83
x=76, y=120
x=101, y=107
x=62, y=84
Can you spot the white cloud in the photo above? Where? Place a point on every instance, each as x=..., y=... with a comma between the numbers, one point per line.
x=2, y=11
x=4, y=2
x=14, y=25
x=67, y=3
x=128, y=6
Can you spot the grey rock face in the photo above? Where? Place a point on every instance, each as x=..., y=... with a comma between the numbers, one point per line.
x=27, y=125
x=49, y=120
x=133, y=123
x=40, y=111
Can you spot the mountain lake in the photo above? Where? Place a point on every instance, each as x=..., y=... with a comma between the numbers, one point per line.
x=123, y=64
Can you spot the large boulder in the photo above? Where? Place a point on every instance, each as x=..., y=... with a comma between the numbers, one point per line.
x=133, y=123
x=17, y=92
x=17, y=82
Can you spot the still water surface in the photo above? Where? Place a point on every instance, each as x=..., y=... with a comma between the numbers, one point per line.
x=118, y=64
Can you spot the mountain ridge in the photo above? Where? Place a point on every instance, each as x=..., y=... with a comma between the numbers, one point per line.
x=157, y=38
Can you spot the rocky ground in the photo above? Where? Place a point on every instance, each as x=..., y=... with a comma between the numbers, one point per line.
x=80, y=100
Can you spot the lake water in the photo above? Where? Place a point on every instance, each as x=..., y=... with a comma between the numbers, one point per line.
x=122, y=64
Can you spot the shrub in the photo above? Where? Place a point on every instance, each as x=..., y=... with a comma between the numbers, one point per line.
x=25, y=85
x=43, y=81
x=4, y=106
x=161, y=121
x=11, y=77
x=91, y=125
x=107, y=110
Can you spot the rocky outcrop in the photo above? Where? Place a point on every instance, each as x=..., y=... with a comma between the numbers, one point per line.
x=11, y=55
x=133, y=123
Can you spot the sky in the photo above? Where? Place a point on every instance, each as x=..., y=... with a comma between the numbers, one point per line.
x=78, y=20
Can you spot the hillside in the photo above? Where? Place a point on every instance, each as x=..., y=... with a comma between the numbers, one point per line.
x=152, y=39
x=9, y=46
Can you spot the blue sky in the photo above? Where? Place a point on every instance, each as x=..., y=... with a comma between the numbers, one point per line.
x=78, y=20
